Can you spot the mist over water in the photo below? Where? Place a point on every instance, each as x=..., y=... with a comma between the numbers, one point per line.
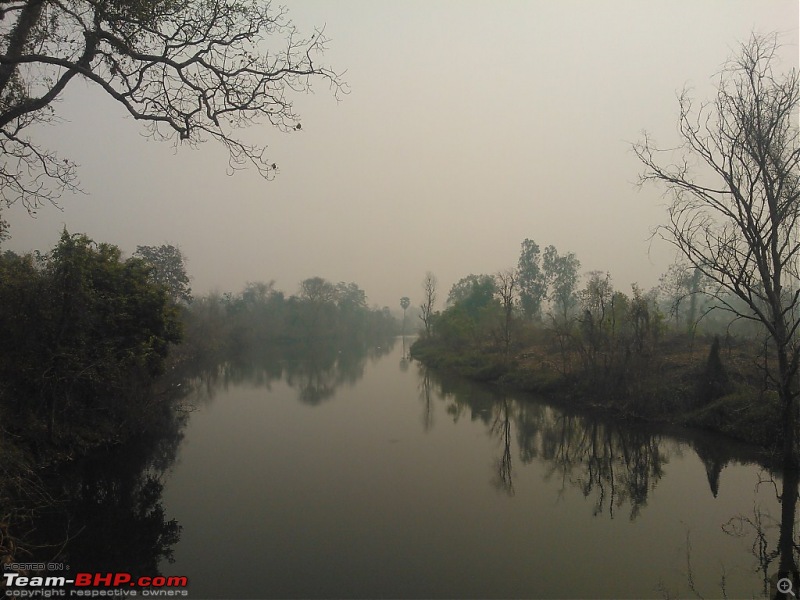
x=372, y=477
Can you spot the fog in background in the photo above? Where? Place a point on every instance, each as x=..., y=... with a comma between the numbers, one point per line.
x=469, y=126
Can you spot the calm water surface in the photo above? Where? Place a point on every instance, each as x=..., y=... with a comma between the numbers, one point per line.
x=366, y=476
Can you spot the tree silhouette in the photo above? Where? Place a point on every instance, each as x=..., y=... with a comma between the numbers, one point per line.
x=190, y=71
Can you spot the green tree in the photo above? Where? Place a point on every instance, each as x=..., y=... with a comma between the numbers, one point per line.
x=597, y=316
x=474, y=293
x=645, y=321
x=507, y=286
x=168, y=269
x=23, y=320
x=188, y=70
x=532, y=283
x=679, y=283
x=735, y=210
x=351, y=302
x=4, y=235
x=715, y=381
x=465, y=288
x=317, y=307
x=561, y=275
x=676, y=286
x=472, y=315
x=350, y=297
x=317, y=290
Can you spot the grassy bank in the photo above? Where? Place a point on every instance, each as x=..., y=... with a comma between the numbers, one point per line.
x=683, y=381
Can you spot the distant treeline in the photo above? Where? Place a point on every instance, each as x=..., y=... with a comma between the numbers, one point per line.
x=221, y=324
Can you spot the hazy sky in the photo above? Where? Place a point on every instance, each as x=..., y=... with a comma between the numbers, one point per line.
x=469, y=127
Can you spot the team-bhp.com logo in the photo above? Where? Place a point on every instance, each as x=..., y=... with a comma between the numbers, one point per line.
x=94, y=585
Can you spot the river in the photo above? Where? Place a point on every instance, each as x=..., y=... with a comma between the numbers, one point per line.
x=362, y=474
x=371, y=477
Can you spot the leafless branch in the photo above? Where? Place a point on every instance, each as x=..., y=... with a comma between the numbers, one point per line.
x=190, y=71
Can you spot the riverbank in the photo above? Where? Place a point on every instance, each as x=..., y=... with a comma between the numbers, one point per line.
x=684, y=383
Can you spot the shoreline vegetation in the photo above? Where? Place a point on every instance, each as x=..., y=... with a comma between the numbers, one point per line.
x=685, y=380
x=686, y=352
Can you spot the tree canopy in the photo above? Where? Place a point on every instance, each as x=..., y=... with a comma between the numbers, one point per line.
x=532, y=284
x=168, y=269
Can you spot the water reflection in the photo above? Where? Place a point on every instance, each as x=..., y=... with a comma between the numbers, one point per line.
x=617, y=463
x=787, y=548
x=501, y=428
x=426, y=395
x=617, y=466
x=378, y=506
x=770, y=539
x=106, y=511
x=316, y=370
x=322, y=370
x=620, y=465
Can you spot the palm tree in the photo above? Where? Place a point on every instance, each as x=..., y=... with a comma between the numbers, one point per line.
x=404, y=304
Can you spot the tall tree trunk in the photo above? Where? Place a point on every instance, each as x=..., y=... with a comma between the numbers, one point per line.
x=787, y=394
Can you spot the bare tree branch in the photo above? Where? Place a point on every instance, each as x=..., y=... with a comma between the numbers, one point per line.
x=190, y=71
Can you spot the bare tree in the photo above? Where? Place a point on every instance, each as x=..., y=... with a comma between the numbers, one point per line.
x=507, y=284
x=190, y=71
x=734, y=183
x=428, y=302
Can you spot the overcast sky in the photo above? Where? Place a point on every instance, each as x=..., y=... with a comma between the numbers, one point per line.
x=469, y=127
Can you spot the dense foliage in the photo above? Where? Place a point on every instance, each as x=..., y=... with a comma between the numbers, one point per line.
x=168, y=269
x=83, y=330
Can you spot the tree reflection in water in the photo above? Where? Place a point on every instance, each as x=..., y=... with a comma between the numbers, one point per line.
x=614, y=464
x=762, y=527
x=316, y=370
x=106, y=512
x=426, y=395
x=501, y=428
x=110, y=514
x=619, y=465
x=322, y=369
